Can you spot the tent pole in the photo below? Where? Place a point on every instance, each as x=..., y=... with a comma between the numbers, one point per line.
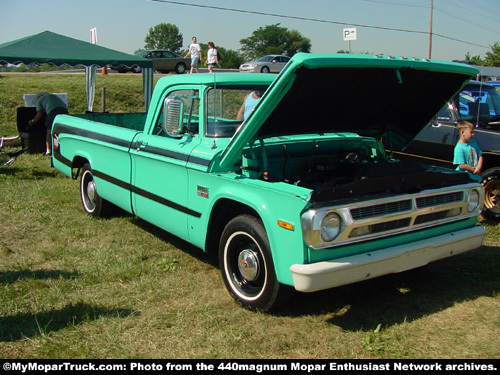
x=147, y=83
x=90, y=72
x=103, y=99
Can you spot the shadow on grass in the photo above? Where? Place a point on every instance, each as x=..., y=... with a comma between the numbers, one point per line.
x=23, y=174
x=10, y=277
x=390, y=299
x=406, y=296
x=45, y=174
x=20, y=326
x=8, y=171
x=179, y=243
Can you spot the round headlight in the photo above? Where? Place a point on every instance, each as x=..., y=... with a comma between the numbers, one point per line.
x=330, y=226
x=474, y=201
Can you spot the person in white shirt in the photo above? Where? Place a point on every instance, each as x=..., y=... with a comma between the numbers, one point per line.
x=195, y=51
x=212, y=57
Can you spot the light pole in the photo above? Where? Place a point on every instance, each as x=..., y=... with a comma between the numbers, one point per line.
x=430, y=30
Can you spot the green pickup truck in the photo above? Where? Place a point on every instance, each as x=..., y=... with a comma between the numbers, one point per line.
x=301, y=194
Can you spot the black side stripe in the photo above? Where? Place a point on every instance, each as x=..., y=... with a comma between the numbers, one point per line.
x=174, y=155
x=57, y=155
x=65, y=129
x=61, y=128
x=146, y=194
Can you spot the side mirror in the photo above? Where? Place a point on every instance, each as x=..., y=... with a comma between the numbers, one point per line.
x=173, y=119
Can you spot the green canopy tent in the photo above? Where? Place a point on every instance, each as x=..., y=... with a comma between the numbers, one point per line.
x=56, y=49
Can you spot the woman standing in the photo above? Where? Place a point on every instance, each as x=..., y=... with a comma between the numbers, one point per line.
x=212, y=57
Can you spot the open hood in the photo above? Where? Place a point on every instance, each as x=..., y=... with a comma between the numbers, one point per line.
x=368, y=95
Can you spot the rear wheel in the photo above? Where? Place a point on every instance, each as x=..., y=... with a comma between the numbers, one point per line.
x=180, y=68
x=92, y=202
x=247, y=266
x=491, y=183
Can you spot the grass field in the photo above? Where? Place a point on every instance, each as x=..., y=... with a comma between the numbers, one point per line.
x=72, y=286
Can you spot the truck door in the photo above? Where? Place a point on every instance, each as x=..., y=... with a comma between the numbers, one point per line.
x=159, y=175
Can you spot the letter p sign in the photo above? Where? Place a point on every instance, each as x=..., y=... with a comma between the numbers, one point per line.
x=350, y=34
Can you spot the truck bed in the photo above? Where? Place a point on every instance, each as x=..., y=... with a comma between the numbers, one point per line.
x=134, y=121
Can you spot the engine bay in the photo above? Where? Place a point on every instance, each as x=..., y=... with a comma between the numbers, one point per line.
x=342, y=167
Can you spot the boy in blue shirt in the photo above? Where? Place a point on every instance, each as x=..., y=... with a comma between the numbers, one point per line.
x=467, y=154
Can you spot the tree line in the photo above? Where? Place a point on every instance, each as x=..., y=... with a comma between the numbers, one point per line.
x=270, y=39
x=266, y=40
x=491, y=58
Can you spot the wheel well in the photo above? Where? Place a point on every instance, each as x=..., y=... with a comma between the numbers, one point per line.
x=223, y=211
x=78, y=162
x=491, y=160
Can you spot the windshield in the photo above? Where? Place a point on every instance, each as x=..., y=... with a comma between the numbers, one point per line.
x=227, y=107
x=266, y=58
x=142, y=53
x=478, y=102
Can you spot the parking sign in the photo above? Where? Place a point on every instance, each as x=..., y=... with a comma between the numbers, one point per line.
x=350, y=33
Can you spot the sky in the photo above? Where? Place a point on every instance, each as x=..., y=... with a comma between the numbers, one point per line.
x=391, y=27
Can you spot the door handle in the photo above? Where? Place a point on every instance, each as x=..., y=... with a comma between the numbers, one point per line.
x=141, y=144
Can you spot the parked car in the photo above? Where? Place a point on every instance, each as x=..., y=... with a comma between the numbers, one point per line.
x=478, y=103
x=496, y=84
x=164, y=61
x=265, y=64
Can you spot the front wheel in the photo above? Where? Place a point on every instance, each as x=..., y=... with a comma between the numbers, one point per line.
x=92, y=202
x=265, y=69
x=247, y=265
x=491, y=183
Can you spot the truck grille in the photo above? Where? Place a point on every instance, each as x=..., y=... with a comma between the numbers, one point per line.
x=437, y=200
x=390, y=216
x=381, y=209
x=406, y=205
x=404, y=214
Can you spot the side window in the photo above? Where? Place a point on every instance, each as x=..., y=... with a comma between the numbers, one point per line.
x=223, y=105
x=191, y=117
x=475, y=103
x=466, y=99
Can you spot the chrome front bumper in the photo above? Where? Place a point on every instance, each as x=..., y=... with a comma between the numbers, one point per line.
x=329, y=274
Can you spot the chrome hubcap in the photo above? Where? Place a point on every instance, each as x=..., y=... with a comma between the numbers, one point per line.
x=91, y=191
x=248, y=265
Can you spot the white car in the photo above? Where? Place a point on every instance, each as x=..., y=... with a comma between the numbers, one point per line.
x=265, y=64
